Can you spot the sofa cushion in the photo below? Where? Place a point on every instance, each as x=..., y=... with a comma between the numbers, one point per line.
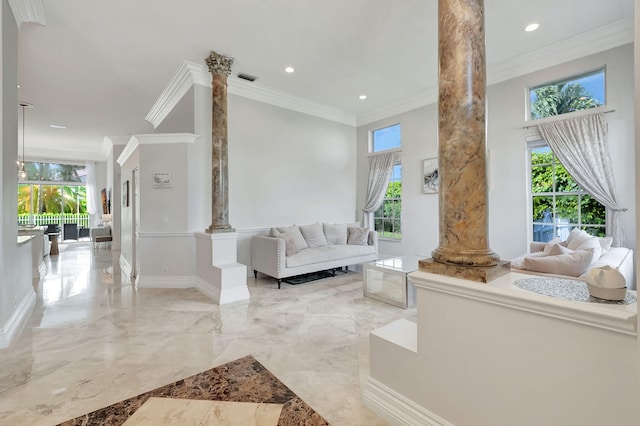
x=294, y=241
x=335, y=233
x=327, y=254
x=357, y=236
x=313, y=235
x=573, y=264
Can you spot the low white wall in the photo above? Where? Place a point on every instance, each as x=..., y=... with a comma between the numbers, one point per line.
x=493, y=354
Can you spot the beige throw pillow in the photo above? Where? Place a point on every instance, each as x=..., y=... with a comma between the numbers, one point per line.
x=293, y=239
x=313, y=235
x=357, y=236
x=573, y=264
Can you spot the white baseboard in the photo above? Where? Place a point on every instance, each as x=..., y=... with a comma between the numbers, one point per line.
x=396, y=408
x=17, y=320
x=219, y=297
x=164, y=281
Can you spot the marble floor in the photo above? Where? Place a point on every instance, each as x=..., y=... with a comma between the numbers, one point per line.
x=94, y=339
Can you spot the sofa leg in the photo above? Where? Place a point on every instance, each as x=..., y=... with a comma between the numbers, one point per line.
x=279, y=282
x=255, y=274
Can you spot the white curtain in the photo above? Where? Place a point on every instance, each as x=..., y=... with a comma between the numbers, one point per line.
x=581, y=146
x=380, y=169
x=94, y=201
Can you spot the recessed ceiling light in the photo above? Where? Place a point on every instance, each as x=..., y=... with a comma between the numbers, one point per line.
x=532, y=27
x=289, y=70
x=18, y=86
x=55, y=126
x=362, y=97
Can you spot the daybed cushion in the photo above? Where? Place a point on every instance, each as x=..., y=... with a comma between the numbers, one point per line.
x=574, y=263
x=327, y=254
x=313, y=235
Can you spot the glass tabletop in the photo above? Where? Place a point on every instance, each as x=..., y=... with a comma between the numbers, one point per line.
x=402, y=263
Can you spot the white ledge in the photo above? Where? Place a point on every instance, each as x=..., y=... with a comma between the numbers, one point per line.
x=502, y=292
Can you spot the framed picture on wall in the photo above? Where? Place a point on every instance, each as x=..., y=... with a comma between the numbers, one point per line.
x=125, y=193
x=430, y=176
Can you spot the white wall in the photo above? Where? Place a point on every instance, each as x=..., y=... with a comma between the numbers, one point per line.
x=16, y=291
x=287, y=167
x=508, y=212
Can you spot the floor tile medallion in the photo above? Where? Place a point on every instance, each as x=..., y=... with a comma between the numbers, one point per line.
x=243, y=380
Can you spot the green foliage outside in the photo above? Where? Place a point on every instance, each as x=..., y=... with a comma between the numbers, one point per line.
x=577, y=207
x=388, y=217
x=559, y=99
x=52, y=199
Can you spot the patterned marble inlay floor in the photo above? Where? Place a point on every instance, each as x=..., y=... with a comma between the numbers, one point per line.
x=93, y=339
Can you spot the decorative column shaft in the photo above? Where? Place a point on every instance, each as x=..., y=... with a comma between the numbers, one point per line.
x=220, y=67
x=464, y=218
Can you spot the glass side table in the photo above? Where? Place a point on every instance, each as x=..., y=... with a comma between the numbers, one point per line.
x=386, y=280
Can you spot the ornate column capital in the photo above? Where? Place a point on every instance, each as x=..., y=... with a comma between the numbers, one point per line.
x=219, y=64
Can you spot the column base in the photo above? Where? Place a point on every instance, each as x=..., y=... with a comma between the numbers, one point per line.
x=212, y=229
x=481, y=274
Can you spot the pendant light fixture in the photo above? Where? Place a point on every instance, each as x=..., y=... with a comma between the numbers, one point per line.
x=22, y=174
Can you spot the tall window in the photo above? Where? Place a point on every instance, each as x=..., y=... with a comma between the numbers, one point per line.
x=573, y=94
x=388, y=218
x=558, y=202
x=53, y=193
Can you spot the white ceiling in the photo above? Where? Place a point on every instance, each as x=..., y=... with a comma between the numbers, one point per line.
x=97, y=67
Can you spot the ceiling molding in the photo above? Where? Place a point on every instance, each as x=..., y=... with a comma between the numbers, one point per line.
x=25, y=11
x=165, y=138
x=421, y=98
x=49, y=154
x=603, y=38
x=154, y=138
x=190, y=73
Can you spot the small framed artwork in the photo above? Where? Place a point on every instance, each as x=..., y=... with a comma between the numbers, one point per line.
x=430, y=176
x=162, y=180
x=125, y=193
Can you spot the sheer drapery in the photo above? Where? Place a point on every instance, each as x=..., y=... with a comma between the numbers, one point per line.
x=581, y=145
x=380, y=169
x=94, y=203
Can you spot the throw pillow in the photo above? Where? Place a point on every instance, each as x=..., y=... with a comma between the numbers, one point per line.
x=585, y=241
x=577, y=237
x=335, y=233
x=357, y=236
x=572, y=264
x=313, y=235
x=557, y=249
x=605, y=243
x=293, y=233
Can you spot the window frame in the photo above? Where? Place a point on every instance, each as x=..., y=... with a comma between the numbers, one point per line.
x=540, y=143
x=398, y=162
x=529, y=89
x=381, y=236
x=372, y=151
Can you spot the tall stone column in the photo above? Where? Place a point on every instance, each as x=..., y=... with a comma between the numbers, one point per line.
x=220, y=67
x=464, y=218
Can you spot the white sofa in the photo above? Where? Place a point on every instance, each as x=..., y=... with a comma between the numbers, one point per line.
x=542, y=260
x=295, y=250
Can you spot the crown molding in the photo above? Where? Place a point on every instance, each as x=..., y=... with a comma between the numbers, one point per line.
x=154, y=138
x=421, y=98
x=191, y=73
x=603, y=38
x=28, y=11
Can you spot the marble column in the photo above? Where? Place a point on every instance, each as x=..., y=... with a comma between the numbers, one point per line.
x=220, y=68
x=464, y=242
